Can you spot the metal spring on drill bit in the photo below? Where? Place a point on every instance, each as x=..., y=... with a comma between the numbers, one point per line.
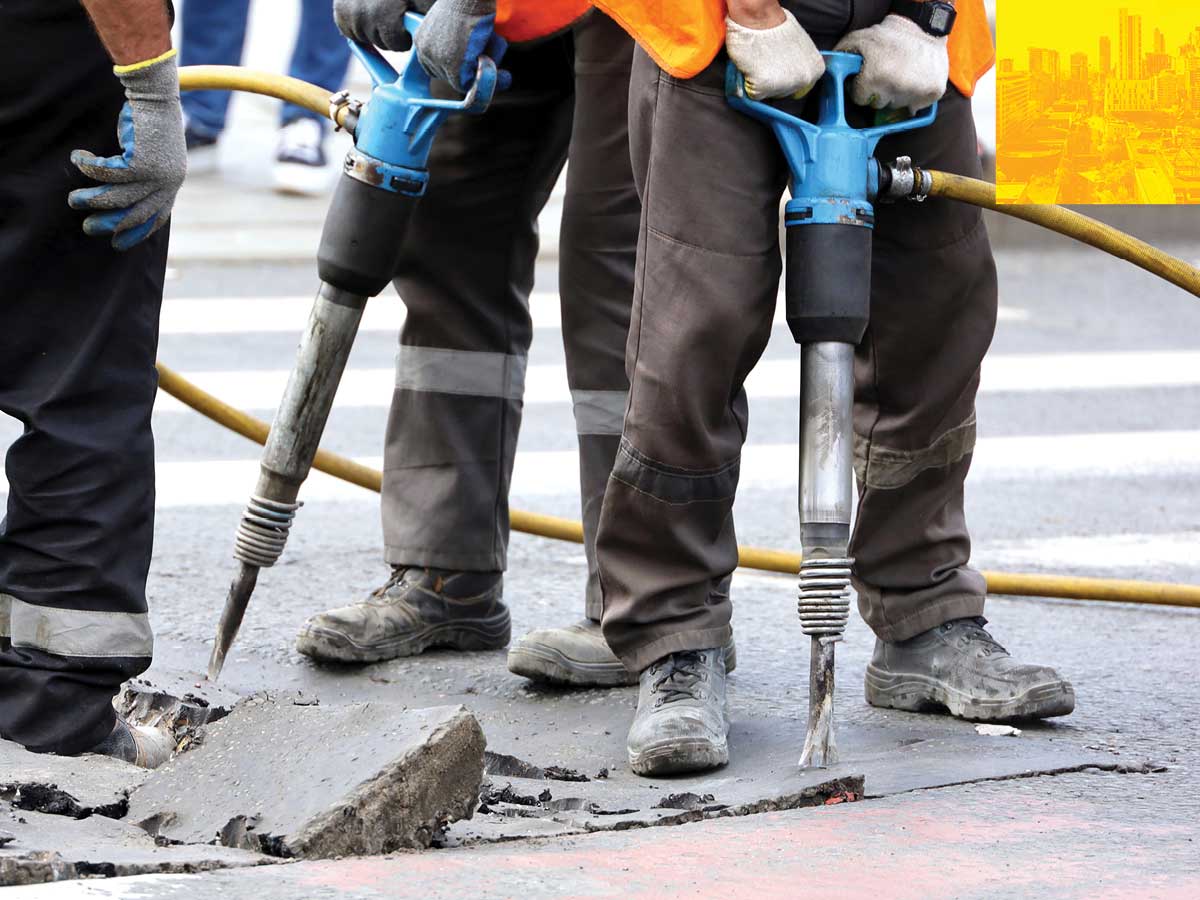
x=263, y=531
x=824, y=603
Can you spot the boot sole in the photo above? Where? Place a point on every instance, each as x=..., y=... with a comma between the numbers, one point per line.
x=677, y=757
x=550, y=666
x=326, y=645
x=921, y=693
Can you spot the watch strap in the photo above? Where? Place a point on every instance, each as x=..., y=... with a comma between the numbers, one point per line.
x=933, y=16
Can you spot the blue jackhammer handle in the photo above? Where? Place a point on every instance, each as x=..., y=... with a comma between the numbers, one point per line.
x=839, y=67
x=416, y=83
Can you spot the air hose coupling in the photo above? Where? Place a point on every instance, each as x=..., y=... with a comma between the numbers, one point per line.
x=901, y=180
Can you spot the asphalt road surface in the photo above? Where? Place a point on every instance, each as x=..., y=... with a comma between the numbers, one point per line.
x=1088, y=463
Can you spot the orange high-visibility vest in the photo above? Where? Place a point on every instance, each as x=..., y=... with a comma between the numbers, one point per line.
x=684, y=36
x=528, y=20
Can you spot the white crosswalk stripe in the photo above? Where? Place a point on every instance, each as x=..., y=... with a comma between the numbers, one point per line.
x=237, y=315
x=545, y=477
x=775, y=378
x=764, y=467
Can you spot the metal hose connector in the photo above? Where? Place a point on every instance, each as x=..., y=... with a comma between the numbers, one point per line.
x=263, y=531
x=824, y=604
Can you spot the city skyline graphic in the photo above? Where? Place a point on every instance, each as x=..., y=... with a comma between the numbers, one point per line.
x=1098, y=102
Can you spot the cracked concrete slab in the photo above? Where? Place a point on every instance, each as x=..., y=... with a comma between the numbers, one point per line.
x=907, y=753
x=317, y=781
x=42, y=847
x=75, y=786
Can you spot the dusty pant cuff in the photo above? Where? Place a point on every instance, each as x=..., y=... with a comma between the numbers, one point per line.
x=639, y=657
x=439, y=558
x=929, y=615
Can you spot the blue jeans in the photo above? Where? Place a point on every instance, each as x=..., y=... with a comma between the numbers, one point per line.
x=214, y=33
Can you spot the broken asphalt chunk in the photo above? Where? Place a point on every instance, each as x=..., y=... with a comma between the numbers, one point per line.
x=319, y=781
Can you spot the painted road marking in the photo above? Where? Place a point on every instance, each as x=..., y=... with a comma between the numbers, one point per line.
x=239, y=315
x=771, y=379
x=1153, y=455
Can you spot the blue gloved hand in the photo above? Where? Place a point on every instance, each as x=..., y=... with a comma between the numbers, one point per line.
x=454, y=35
x=379, y=23
x=138, y=187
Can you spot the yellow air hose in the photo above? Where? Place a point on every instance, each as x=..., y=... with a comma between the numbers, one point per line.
x=955, y=187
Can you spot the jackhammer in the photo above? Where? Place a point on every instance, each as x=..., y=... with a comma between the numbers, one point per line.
x=829, y=223
x=383, y=177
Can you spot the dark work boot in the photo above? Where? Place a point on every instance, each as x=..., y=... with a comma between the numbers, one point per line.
x=577, y=656
x=681, y=724
x=417, y=609
x=141, y=745
x=959, y=668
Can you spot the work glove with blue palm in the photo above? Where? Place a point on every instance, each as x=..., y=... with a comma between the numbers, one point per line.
x=454, y=35
x=903, y=66
x=378, y=23
x=773, y=52
x=137, y=188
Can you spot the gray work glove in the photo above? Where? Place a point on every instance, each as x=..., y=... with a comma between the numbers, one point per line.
x=138, y=187
x=776, y=62
x=903, y=66
x=454, y=35
x=379, y=23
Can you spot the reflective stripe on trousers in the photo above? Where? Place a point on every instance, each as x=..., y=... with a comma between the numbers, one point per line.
x=75, y=632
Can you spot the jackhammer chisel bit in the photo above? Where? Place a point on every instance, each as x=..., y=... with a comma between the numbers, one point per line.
x=829, y=223
x=383, y=177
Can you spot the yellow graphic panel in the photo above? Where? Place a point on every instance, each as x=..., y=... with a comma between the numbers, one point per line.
x=1098, y=102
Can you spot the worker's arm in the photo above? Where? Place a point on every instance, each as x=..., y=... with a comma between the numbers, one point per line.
x=771, y=49
x=905, y=64
x=132, y=30
x=137, y=188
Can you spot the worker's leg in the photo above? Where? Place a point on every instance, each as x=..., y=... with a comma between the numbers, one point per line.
x=213, y=34
x=933, y=312
x=320, y=56
x=708, y=271
x=915, y=410
x=465, y=277
x=597, y=252
x=77, y=350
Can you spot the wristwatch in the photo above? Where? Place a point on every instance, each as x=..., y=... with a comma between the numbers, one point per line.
x=935, y=17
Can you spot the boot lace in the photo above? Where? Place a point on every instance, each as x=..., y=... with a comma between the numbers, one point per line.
x=679, y=677
x=973, y=632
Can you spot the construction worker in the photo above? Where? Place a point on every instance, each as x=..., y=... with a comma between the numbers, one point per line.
x=465, y=277
x=708, y=269
x=77, y=348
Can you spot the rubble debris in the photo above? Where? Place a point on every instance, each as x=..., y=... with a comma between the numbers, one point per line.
x=688, y=800
x=997, y=730
x=73, y=786
x=41, y=847
x=561, y=773
x=35, y=868
x=6, y=837
x=510, y=766
x=506, y=766
x=179, y=702
x=490, y=795
x=318, y=781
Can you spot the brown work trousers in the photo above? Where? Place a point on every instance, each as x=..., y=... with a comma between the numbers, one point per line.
x=708, y=272
x=465, y=277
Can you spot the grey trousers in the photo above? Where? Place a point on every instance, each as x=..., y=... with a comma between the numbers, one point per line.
x=466, y=276
x=707, y=279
